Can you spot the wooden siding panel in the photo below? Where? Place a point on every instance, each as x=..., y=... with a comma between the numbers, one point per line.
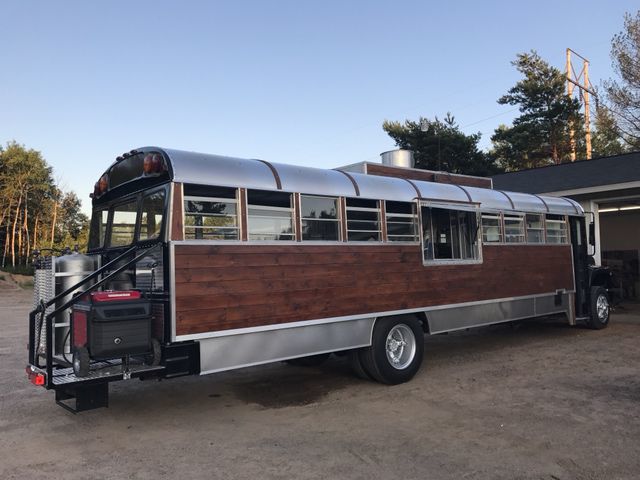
x=222, y=287
x=177, y=227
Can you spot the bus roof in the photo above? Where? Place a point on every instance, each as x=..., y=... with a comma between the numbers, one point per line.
x=206, y=169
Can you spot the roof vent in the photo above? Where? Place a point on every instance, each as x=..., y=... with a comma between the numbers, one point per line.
x=398, y=158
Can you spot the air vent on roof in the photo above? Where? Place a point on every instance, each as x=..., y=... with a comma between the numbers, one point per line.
x=398, y=158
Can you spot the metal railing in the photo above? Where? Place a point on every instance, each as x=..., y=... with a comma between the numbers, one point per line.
x=39, y=315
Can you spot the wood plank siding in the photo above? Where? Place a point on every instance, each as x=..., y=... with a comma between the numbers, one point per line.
x=219, y=287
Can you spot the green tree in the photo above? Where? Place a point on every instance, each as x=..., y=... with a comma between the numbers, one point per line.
x=441, y=145
x=540, y=135
x=606, y=139
x=623, y=95
x=34, y=212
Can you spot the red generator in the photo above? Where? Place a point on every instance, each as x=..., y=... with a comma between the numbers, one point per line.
x=112, y=324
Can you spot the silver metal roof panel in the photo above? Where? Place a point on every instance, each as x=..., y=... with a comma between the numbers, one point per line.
x=524, y=202
x=562, y=206
x=440, y=191
x=200, y=168
x=489, y=199
x=385, y=188
x=315, y=181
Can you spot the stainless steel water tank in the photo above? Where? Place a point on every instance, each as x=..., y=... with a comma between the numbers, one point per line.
x=70, y=269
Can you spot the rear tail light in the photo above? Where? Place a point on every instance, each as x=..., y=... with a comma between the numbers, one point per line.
x=35, y=377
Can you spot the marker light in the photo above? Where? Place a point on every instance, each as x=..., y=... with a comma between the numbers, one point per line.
x=36, y=378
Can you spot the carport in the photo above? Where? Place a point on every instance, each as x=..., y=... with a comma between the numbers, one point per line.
x=610, y=188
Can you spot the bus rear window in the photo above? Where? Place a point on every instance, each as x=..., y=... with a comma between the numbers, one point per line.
x=123, y=226
x=151, y=216
x=98, y=228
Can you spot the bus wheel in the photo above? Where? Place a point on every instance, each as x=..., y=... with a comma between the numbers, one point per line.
x=80, y=362
x=396, y=350
x=311, y=361
x=356, y=364
x=599, y=314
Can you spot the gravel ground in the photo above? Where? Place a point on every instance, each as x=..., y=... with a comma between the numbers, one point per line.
x=537, y=401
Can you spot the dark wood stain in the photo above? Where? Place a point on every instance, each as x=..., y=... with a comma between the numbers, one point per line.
x=221, y=287
x=177, y=227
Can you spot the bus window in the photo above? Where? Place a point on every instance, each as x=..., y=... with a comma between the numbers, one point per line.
x=491, y=228
x=151, y=216
x=123, y=225
x=363, y=220
x=513, y=229
x=556, y=229
x=98, y=228
x=270, y=215
x=402, y=222
x=319, y=217
x=535, y=228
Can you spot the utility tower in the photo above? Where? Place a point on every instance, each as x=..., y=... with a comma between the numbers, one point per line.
x=580, y=80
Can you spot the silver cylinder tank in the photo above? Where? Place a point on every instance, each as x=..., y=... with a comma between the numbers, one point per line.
x=70, y=269
x=398, y=158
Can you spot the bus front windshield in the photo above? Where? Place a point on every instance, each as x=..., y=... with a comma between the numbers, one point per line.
x=138, y=218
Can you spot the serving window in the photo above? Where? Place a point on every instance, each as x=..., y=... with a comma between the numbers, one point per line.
x=450, y=235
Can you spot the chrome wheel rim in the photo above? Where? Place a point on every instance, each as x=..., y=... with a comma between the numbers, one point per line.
x=400, y=346
x=602, y=308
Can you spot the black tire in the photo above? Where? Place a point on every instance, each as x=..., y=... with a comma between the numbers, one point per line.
x=81, y=362
x=407, y=358
x=311, y=361
x=356, y=365
x=153, y=358
x=599, y=309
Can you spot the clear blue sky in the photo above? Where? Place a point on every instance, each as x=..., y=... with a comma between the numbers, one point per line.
x=289, y=81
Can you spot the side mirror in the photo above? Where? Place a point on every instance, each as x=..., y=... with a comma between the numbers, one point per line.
x=592, y=234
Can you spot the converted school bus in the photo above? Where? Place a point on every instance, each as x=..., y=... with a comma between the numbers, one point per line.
x=201, y=263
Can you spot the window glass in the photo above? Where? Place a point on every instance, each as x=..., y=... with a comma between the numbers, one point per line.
x=270, y=215
x=535, y=228
x=491, y=228
x=123, y=225
x=319, y=218
x=363, y=220
x=449, y=234
x=210, y=218
x=402, y=222
x=151, y=216
x=98, y=228
x=556, y=229
x=513, y=229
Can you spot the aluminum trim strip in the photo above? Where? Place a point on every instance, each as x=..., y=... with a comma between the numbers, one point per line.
x=353, y=181
x=240, y=331
x=274, y=171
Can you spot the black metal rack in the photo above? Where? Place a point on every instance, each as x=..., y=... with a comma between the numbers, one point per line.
x=92, y=391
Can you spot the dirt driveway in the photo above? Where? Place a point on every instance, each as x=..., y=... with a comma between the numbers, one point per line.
x=541, y=401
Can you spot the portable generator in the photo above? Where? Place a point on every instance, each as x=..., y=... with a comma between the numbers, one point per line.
x=110, y=324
